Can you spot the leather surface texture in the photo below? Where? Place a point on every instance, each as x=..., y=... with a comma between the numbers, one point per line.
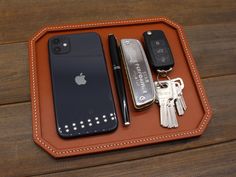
x=145, y=126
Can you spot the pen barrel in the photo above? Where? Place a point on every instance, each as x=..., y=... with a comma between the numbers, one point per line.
x=122, y=95
x=115, y=58
x=114, y=52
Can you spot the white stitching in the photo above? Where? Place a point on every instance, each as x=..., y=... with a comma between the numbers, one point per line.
x=146, y=139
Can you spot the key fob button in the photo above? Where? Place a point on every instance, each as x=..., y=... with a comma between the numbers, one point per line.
x=158, y=50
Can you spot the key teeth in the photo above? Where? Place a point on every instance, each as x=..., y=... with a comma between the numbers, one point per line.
x=182, y=101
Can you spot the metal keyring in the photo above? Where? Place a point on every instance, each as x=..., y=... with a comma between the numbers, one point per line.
x=163, y=73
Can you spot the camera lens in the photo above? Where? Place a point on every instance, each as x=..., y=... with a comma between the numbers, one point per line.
x=56, y=41
x=65, y=44
x=57, y=49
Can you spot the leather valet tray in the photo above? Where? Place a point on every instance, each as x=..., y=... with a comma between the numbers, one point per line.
x=145, y=127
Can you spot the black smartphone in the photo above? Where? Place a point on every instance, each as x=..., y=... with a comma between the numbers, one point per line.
x=83, y=100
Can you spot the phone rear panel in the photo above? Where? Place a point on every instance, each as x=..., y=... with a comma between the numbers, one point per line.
x=83, y=100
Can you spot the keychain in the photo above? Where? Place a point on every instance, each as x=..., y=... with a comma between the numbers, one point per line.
x=169, y=92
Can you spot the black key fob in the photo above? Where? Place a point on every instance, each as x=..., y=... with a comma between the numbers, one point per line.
x=158, y=50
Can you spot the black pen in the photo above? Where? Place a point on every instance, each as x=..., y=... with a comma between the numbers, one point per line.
x=115, y=58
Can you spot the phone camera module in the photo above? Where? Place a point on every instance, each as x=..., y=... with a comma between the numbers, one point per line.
x=56, y=41
x=57, y=49
x=65, y=44
x=60, y=45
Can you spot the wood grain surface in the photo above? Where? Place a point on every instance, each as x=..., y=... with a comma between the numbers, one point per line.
x=210, y=27
x=180, y=164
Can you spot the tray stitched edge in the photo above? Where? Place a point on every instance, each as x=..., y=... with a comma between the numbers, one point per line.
x=35, y=106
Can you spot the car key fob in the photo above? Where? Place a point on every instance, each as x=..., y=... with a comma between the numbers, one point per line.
x=158, y=50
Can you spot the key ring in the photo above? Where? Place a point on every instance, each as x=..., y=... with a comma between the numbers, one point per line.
x=163, y=73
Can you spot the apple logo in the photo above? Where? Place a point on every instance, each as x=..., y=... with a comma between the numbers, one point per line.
x=80, y=79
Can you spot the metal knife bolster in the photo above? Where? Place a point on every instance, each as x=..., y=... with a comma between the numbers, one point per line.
x=138, y=72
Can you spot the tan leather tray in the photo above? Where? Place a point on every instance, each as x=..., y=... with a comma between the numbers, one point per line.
x=145, y=127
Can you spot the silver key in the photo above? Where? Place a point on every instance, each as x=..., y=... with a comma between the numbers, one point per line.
x=181, y=97
x=180, y=89
x=167, y=106
x=173, y=114
x=183, y=102
x=168, y=115
x=172, y=119
x=163, y=112
x=172, y=104
x=169, y=94
x=176, y=95
x=181, y=82
x=163, y=95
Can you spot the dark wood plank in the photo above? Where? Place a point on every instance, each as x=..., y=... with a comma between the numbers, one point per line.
x=213, y=46
x=14, y=73
x=21, y=157
x=218, y=160
x=20, y=19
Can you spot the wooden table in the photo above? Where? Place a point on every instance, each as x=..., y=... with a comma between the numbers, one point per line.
x=211, y=30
